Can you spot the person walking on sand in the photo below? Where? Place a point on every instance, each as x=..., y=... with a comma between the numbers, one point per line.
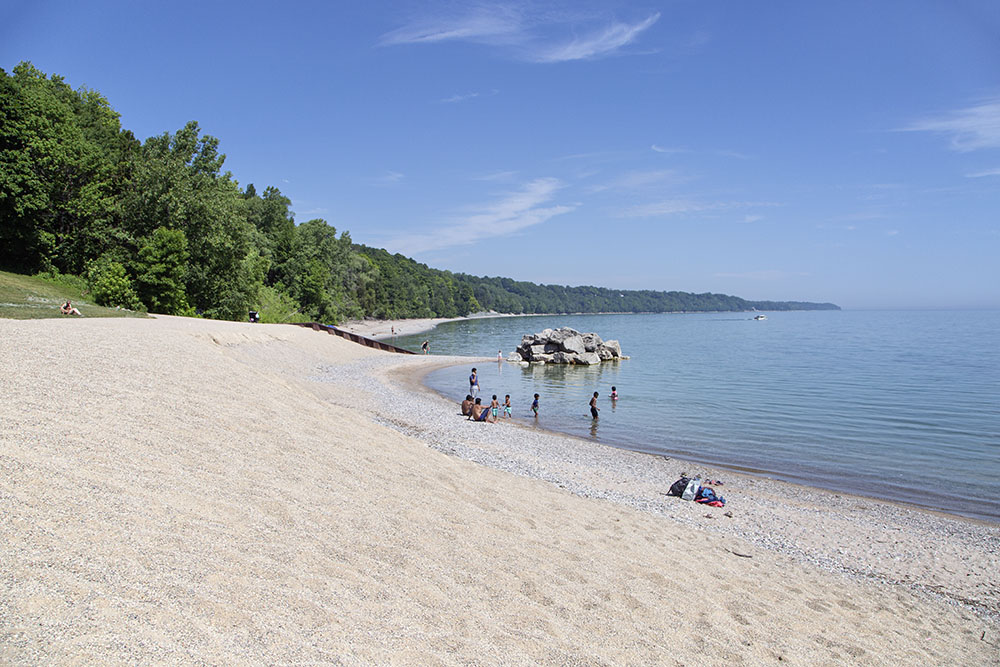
x=593, y=406
x=508, y=411
x=474, y=383
x=534, y=406
x=425, y=346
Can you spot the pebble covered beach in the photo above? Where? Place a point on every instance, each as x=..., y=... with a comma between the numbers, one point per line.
x=190, y=491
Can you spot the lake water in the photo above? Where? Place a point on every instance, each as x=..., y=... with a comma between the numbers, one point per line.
x=896, y=405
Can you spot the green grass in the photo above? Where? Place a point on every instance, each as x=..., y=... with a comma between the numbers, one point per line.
x=31, y=298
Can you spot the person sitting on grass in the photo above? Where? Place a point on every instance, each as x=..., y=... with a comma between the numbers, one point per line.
x=467, y=405
x=480, y=413
x=68, y=309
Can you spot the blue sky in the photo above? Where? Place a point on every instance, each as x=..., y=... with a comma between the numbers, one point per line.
x=842, y=151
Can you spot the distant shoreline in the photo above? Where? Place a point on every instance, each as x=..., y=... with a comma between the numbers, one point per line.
x=381, y=329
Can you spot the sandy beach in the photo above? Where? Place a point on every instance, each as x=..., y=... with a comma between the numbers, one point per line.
x=188, y=491
x=381, y=329
x=384, y=329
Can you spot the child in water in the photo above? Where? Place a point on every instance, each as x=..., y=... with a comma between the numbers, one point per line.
x=593, y=406
x=614, y=393
x=508, y=412
x=534, y=405
x=495, y=407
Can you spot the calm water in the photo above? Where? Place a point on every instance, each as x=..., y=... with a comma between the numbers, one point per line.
x=898, y=405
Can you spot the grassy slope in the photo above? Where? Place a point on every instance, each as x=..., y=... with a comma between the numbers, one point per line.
x=28, y=298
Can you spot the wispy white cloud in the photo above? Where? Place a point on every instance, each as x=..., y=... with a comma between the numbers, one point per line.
x=639, y=179
x=389, y=178
x=970, y=129
x=721, y=153
x=462, y=97
x=763, y=275
x=497, y=23
x=982, y=174
x=670, y=207
x=497, y=176
x=752, y=218
x=513, y=212
x=603, y=42
x=530, y=35
x=861, y=216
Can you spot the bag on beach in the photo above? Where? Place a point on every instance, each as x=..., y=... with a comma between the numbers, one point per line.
x=677, y=488
x=691, y=490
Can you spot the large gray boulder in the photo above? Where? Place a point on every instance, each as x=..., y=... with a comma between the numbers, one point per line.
x=566, y=346
x=591, y=342
x=613, y=347
x=573, y=344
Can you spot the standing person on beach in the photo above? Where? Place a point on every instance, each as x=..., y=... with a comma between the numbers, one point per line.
x=534, y=406
x=508, y=411
x=425, y=346
x=495, y=408
x=474, y=383
x=593, y=406
x=499, y=356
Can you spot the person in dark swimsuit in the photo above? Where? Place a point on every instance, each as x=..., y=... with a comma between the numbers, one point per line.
x=593, y=406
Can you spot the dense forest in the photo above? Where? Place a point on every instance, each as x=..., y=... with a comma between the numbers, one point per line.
x=159, y=225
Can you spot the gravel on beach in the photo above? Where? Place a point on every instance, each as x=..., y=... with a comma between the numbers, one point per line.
x=952, y=557
x=178, y=490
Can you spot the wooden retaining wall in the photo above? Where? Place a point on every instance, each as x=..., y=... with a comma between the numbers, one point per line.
x=360, y=340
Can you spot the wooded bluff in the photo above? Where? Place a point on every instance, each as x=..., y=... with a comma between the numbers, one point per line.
x=158, y=225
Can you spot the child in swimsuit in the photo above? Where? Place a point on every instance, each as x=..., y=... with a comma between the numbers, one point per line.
x=593, y=406
x=495, y=407
x=507, y=410
x=614, y=393
x=534, y=405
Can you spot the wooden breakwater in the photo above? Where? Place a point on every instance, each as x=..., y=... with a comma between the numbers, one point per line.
x=360, y=340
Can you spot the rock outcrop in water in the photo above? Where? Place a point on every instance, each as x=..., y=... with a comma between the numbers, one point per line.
x=566, y=346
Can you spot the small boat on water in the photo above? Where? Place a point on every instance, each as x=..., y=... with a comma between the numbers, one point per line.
x=762, y=316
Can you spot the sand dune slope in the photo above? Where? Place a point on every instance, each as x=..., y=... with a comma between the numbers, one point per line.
x=161, y=499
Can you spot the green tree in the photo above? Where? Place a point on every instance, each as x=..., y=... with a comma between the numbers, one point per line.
x=160, y=272
x=110, y=285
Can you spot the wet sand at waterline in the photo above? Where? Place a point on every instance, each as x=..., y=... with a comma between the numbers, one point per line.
x=194, y=491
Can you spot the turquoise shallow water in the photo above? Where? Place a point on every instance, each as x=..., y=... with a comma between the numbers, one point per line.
x=896, y=405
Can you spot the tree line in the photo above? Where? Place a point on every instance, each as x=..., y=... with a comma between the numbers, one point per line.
x=158, y=225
